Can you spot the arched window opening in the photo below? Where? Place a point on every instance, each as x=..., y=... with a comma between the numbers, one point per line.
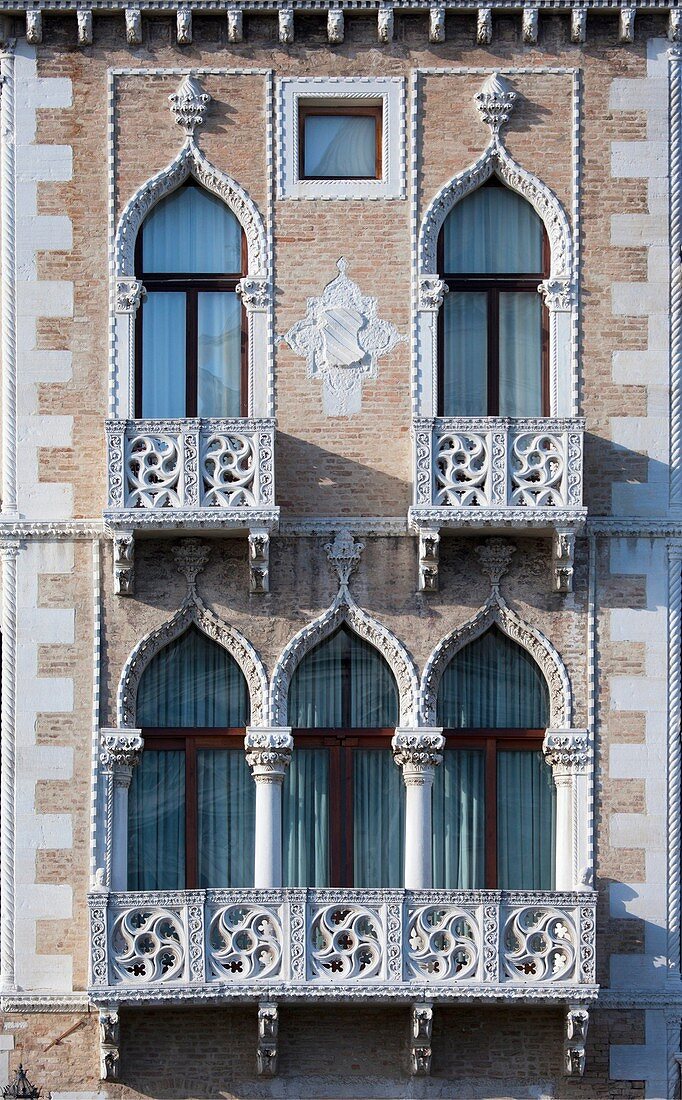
x=343, y=799
x=494, y=334
x=192, y=802
x=190, y=330
x=493, y=798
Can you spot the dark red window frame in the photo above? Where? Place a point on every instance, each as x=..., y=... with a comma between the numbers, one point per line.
x=492, y=285
x=191, y=284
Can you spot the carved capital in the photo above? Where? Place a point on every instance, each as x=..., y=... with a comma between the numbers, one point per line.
x=268, y=752
x=567, y=751
x=557, y=294
x=120, y=749
x=496, y=99
x=189, y=103
x=254, y=293
x=417, y=750
x=432, y=291
x=129, y=293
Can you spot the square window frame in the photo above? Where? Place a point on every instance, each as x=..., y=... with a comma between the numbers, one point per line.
x=351, y=109
x=334, y=93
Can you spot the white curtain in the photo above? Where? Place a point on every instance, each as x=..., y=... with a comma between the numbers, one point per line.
x=520, y=354
x=191, y=231
x=163, y=355
x=219, y=329
x=340, y=146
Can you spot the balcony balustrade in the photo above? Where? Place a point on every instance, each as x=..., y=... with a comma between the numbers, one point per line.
x=200, y=945
x=476, y=473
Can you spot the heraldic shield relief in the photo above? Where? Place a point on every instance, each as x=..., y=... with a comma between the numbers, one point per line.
x=342, y=339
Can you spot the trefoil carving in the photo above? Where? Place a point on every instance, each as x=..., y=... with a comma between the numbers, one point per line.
x=342, y=338
x=189, y=103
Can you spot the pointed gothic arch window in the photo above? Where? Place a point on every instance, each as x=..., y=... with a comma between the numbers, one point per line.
x=192, y=800
x=493, y=798
x=343, y=800
x=494, y=334
x=191, y=329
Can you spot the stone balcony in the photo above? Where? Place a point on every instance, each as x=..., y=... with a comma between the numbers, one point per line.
x=272, y=944
x=190, y=476
x=496, y=474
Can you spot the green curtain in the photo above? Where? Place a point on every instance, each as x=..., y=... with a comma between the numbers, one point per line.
x=305, y=811
x=156, y=822
x=192, y=682
x=378, y=820
x=226, y=818
x=459, y=821
x=526, y=821
x=493, y=683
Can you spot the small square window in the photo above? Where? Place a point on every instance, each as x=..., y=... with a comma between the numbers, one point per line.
x=340, y=142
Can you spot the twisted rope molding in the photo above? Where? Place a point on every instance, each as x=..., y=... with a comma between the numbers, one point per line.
x=674, y=785
x=8, y=264
x=675, y=174
x=96, y=656
x=8, y=555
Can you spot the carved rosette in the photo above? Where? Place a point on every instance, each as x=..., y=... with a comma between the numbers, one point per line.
x=268, y=752
x=189, y=104
x=418, y=752
x=567, y=751
x=496, y=99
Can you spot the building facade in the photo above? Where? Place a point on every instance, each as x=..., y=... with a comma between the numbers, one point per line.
x=341, y=543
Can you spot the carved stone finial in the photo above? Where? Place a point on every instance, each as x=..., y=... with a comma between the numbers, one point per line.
x=191, y=556
x=495, y=556
x=189, y=104
x=495, y=102
x=344, y=554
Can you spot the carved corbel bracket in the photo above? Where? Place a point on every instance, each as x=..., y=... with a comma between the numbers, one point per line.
x=34, y=27
x=577, y=1021
x=109, y=1044
x=133, y=17
x=259, y=562
x=437, y=24
x=268, y=752
x=286, y=26
x=421, y=1027
x=385, y=24
x=124, y=563
x=429, y=552
x=563, y=551
x=335, y=26
x=84, y=23
x=268, y=1027
x=235, y=25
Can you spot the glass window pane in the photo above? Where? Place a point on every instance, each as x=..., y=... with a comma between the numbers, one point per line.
x=343, y=683
x=219, y=366
x=191, y=231
x=340, y=146
x=156, y=822
x=526, y=821
x=459, y=821
x=163, y=355
x=493, y=683
x=192, y=682
x=378, y=819
x=493, y=230
x=226, y=805
x=465, y=366
x=305, y=813
x=520, y=354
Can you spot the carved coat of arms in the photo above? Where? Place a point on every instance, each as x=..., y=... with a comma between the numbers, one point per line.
x=342, y=338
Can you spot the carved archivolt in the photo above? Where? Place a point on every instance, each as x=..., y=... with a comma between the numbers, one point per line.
x=191, y=161
x=496, y=612
x=345, y=610
x=497, y=160
x=194, y=612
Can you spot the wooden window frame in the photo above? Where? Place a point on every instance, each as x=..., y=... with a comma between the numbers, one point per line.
x=191, y=285
x=307, y=110
x=492, y=285
x=342, y=744
x=492, y=741
x=189, y=741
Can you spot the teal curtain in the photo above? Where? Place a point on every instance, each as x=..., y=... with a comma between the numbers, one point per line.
x=192, y=682
x=493, y=683
x=493, y=231
x=526, y=821
x=226, y=818
x=191, y=232
x=156, y=822
x=344, y=683
x=378, y=819
x=459, y=821
x=305, y=811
